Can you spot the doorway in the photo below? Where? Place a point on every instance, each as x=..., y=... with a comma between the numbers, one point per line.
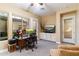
x=68, y=28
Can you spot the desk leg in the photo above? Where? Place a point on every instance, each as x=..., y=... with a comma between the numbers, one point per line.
x=26, y=46
x=20, y=49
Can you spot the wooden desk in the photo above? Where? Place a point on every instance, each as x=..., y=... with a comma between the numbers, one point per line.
x=21, y=44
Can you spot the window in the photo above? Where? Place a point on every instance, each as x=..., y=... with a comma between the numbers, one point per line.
x=25, y=23
x=3, y=26
x=17, y=22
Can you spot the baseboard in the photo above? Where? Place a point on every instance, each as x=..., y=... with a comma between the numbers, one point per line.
x=58, y=42
x=4, y=50
x=48, y=40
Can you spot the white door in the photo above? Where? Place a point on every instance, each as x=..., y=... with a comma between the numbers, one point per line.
x=69, y=29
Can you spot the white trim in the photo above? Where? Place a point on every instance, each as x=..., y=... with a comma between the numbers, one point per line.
x=58, y=42
x=4, y=50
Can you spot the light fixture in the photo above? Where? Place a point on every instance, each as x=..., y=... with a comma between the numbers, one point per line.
x=40, y=6
x=37, y=4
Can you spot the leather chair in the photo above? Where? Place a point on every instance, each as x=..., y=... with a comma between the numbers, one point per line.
x=65, y=50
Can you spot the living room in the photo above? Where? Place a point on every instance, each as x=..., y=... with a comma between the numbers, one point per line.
x=55, y=24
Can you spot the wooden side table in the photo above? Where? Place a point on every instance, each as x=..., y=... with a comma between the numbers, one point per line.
x=12, y=47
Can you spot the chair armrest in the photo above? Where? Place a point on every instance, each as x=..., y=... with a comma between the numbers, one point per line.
x=69, y=47
x=64, y=52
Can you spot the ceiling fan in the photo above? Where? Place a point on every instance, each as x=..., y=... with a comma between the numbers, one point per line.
x=38, y=6
x=41, y=4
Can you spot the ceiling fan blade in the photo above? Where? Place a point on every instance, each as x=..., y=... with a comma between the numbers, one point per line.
x=41, y=3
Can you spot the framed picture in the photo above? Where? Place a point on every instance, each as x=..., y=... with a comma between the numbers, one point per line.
x=50, y=28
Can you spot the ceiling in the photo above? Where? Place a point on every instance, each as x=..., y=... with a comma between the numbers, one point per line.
x=45, y=9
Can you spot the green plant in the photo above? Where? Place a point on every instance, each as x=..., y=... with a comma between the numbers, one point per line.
x=30, y=31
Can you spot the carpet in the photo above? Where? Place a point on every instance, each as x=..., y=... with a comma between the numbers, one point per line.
x=43, y=49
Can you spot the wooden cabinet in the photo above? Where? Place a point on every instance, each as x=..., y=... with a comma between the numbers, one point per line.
x=42, y=36
x=48, y=36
